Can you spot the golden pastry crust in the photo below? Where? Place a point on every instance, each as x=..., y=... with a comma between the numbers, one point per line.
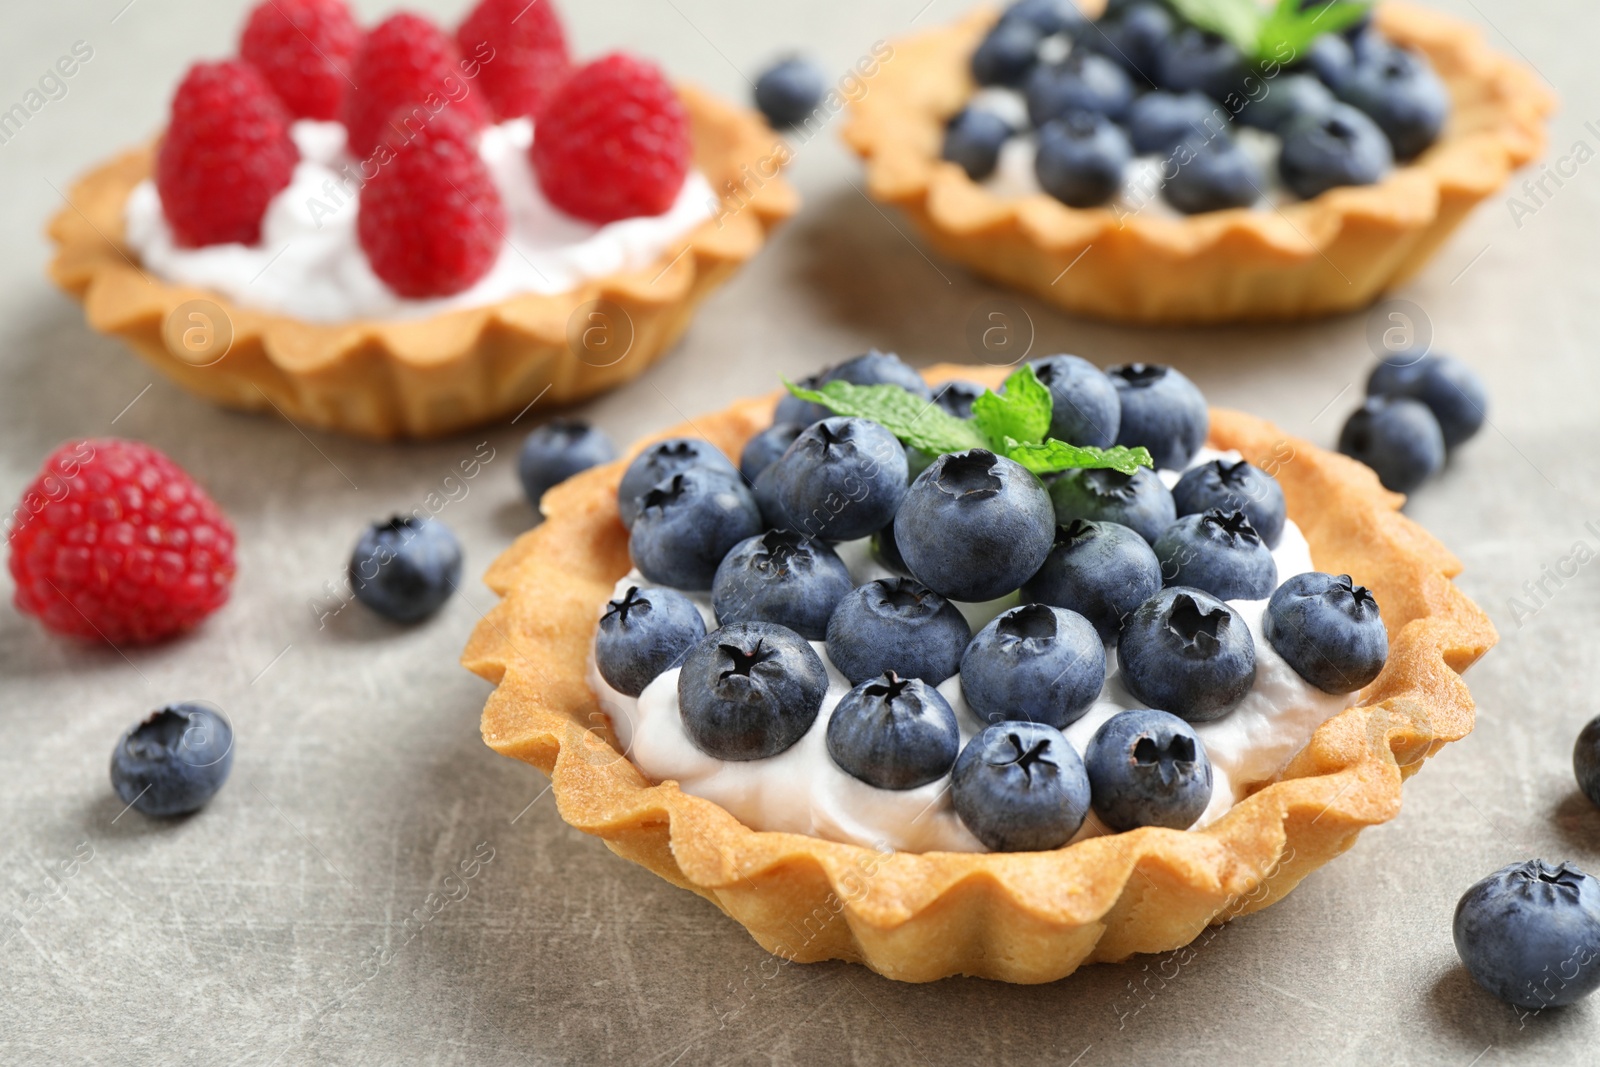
x=1333, y=253
x=429, y=377
x=1025, y=917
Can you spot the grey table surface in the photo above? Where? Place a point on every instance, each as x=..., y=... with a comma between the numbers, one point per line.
x=268, y=929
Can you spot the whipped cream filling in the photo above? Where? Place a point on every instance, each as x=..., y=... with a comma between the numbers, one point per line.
x=309, y=264
x=801, y=790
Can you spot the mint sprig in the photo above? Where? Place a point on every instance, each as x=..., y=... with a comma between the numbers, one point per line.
x=1014, y=424
x=1277, y=35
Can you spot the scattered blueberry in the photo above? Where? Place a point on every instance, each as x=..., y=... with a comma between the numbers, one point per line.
x=1006, y=54
x=1159, y=121
x=789, y=91
x=750, y=690
x=1218, y=552
x=1034, y=662
x=556, y=451
x=1586, y=760
x=661, y=461
x=843, y=478
x=643, y=634
x=1340, y=146
x=879, y=368
x=406, y=568
x=1163, y=411
x=1049, y=17
x=1452, y=390
x=975, y=526
x=1530, y=934
x=174, y=761
x=956, y=397
x=1396, y=436
x=1132, y=36
x=1083, y=81
x=1234, y=485
x=1101, y=570
x=1139, y=500
x=780, y=577
x=764, y=449
x=1020, y=787
x=1082, y=158
x=1197, y=59
x=900, y=625
x=973, y=139
x=1329, y=630
x=1402, y=95
x=1084, y=407
x=1288, y=97
x=1147, y=768
x=1212, y=174
x=688, y=522
x=1187, y=652
x=894, y=733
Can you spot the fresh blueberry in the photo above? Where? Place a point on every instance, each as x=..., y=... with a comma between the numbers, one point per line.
x=765, y=491
x=1396, y=436
x=1084, y=408
x=879, y=368
x=643, y=634
x=1288, y=97
x=1020, y=787
x=174, y=761
x=900, y=625
x=1234, y=485
x=750, y=690
x=1340, y=146
x=1197, y=59
x=1330, y=57
x=1218, y=552
x=801, y=412
x=1163, y=411
x=975, y=526
x=406, y=568
x=1187, y=652
x=1101, y=570
x=956, y=397
x=1007, y=53
x=1034, y=662
x=1139, y=500
x=789, y=91
x=886, y=552
x=973, y=139
x=1329, y=630
x=1049, y=17
x=764, y=449
x=1081, y=159
x=556, y=451
x=1530, y=934
x=1132, y=37
x=661, y=461
x=780, y=577
x=1451, y=389
x=843, y=478
x=1083, y=81
x=1586, y=760
x=687, y=524
x=1403, y=95
x=1212, y=174
x=894, y=733
x=1360, y=26
x=1159, y=121
x=1147, y=768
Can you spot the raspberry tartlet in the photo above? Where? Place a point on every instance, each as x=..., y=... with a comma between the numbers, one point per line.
x=936, y=785
x=1141, y=168
x=400, y=231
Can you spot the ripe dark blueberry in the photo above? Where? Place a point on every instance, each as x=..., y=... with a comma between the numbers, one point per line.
x=843, y=478
x=900, y=625
x=1084, y=407
x=1359, y=27
x=1082, y=158
x=1452, y=390
x=1219, y=552
x=801, y=412
x=1331, y=58
x=1402, y=95
x=1034, y=662
x=1101, y=570
x=975, y=526
x=1212, y=174
x=750, y=690
x=1132, y=36
x=1083, y=81
x=956, y=397
x=687, y=523
x=1196, y=59
x=1586, y=760
x=1398, y=438
x=1530, y=934
x=886, y=552
x=1234, y=485
x=1329, y=630
x=1288, y=97
x=973, y=139
x=1159, y=121
x=406, y=568
x=1163, y=411
x=764, y=449
x=556, y=451
x=643, y=634
x=1187, y=652
x=1147, y=768
x=1049, y=17
x=765, y=491
x=879, y=368
x=661, y=461
x=1007, y=53
x=789, y=91
x=174, y=761
x=1020, y=787
x=783, y=577
x=1340, y=146
x=894, y=733
x=1139, y=500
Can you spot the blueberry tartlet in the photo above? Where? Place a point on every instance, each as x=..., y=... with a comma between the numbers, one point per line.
x=967, y=666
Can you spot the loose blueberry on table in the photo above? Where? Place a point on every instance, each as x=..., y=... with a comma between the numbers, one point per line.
x=406, y=568
x=174, y=761
x=1419, y=407
x=1530, y=934
x=556, y=451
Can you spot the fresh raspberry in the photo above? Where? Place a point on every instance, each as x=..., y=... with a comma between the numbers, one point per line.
x=225, y=155
x=613, y=142
x=431, y=219
x=523, y=50
x=113, y=540
x=408, y=61
x=304, y=49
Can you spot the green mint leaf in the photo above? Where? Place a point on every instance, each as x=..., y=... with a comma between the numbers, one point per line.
x=1238, y=21
x=1288, y=31
x=1054, y=455
x=1022, y=412
x=918, y=422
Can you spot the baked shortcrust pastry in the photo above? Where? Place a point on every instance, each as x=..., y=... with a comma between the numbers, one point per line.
x=1016, y=916
x=1278, y=259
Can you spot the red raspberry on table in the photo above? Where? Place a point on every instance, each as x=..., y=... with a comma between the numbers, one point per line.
x=613, y=141
x=431, y=219
x=303, y=48
x=225, y=155
x=113, y=540
x=408, y=61
x=529, y=50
